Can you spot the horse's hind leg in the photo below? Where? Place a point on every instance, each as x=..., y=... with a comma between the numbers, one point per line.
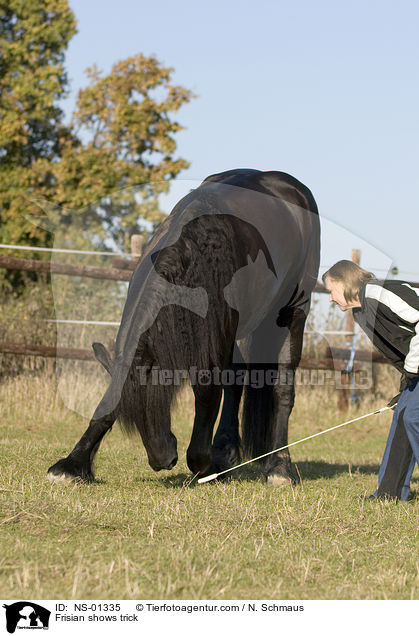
x=78, y=464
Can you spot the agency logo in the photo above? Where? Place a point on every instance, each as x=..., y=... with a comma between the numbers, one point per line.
x=26, y=615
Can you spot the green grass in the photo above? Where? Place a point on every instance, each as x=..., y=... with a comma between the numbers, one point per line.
x=138, y=534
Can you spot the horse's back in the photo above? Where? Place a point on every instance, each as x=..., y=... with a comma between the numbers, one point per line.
x=272, y=183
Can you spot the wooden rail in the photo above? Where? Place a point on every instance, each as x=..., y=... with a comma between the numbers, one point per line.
x=338, y=353
x=122, y=269
x=44, y=351
x=51, y=267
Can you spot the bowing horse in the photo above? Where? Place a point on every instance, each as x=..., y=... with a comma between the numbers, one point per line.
x=220, y=297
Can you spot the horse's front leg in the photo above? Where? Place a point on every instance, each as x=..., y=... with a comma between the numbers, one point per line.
x=79, y=463
x=226, y=445
x=207, y=404
x=278, y=467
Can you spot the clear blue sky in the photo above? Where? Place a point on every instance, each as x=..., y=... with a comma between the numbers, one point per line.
x=327, y=91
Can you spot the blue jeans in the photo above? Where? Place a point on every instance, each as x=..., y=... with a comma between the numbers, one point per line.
x=402, y=448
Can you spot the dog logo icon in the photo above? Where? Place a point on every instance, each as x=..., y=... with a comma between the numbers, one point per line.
x=26, y=615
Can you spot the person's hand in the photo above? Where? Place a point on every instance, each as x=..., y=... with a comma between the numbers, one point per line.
x=394, y=401
x=407, y=379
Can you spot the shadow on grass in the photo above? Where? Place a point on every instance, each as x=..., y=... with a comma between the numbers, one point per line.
x=309, y=471
x=181, y=480
x=324, y=470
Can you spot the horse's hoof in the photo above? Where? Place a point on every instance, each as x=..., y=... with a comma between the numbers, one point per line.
x=279, y=481
x=60, y=477
x=67, y=470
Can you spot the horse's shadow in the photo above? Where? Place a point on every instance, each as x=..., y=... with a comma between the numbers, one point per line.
x=306, y=471
x=323, y=470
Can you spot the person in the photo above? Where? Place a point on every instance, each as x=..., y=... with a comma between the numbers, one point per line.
x=388, y=312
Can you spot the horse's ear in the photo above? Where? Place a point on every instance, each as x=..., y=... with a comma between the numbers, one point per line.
x=103, y=356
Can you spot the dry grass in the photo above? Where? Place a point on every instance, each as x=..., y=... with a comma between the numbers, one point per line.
x=137, y=534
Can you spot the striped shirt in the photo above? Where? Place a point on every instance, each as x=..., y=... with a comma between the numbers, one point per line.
x=389, y=315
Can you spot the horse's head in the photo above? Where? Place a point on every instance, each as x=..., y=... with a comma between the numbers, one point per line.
x=146, y=404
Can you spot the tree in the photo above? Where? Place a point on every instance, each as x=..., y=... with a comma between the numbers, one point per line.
x=119, y=142
x=122, y=145
x=33, y=39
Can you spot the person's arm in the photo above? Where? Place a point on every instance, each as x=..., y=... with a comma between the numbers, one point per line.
x=411, y=366
x=405, y=304
x=411, y=363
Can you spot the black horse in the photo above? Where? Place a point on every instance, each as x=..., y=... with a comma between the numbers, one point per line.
x=220, y=295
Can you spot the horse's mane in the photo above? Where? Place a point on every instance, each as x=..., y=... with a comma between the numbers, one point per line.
x=206, y=255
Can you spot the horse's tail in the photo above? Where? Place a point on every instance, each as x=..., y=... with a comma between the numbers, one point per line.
x=258, y=420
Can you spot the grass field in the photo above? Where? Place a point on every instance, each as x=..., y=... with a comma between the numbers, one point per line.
x=138, y=534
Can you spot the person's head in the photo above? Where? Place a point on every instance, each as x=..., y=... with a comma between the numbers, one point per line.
x=343, y=281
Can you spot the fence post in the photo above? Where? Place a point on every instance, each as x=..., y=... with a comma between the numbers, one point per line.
x=136, y=246
x=349, y=326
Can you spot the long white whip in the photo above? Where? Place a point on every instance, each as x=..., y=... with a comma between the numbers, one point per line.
x=249, y=461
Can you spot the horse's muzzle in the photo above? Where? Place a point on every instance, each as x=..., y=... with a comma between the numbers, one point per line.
x=166, y=456
x=160, y=465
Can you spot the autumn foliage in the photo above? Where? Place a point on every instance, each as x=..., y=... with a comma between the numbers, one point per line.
x=107, y=165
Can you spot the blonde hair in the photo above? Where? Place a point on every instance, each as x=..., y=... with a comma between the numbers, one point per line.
x=351, y=275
